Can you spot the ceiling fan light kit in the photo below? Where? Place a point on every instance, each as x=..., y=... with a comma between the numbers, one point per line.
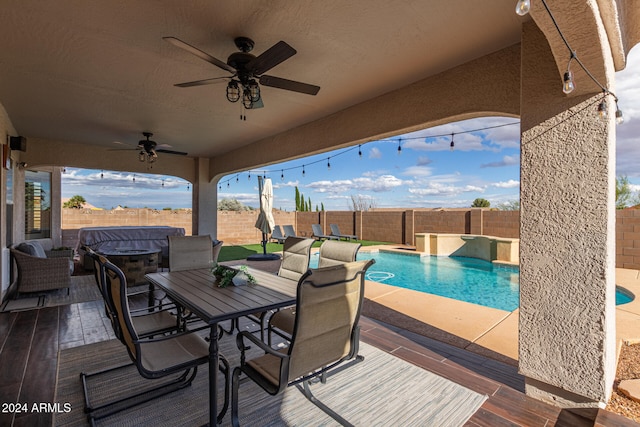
x=247, y=71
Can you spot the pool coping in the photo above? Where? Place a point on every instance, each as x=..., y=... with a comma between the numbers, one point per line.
x=483, y=330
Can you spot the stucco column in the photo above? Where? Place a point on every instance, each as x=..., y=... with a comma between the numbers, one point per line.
x=204, y=201
x=567, y=236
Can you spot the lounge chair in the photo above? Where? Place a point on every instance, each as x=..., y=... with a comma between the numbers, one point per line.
x=319, y=234
x=191, y=252
x=153, y=358
x=335, y=231
x=326, y=334
x=331, y=253
x=276, y=234
x=289, y=231
x=295, y=262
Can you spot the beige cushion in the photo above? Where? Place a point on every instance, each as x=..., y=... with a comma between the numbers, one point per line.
x=295, y=257
x=190, y=252
x=333, y=252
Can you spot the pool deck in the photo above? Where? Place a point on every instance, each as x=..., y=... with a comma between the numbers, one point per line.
x=487, y=331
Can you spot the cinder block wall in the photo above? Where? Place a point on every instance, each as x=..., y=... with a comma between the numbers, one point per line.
x=628, y=238
x=384, y=225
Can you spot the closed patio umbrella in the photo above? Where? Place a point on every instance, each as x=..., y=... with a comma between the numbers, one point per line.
x=265, y=222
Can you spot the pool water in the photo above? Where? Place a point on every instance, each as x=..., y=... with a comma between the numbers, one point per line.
x=464, y=279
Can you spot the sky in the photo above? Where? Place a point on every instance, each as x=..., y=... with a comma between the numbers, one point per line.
x=426, y=172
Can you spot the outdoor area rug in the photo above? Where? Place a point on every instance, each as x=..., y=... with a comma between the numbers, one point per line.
x=380, y=391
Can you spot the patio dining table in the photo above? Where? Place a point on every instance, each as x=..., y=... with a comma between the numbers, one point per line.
x=198, y=291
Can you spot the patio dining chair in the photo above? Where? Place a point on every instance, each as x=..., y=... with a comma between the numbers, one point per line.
x=156, y=358
x=325, y=334
x=191, y=252
x=148, y=321
x=332, y=252
x=296, y=253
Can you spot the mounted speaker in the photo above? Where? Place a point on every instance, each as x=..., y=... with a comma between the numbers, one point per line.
x=18, y=143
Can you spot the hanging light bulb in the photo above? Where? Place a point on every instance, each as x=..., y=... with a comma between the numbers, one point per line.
x=134, y=177
x=452, y=143
x=568, y=86
x=523, y=7
x=233, y=91
x=101, y=174
x=328, y=163
x=360, y=151
x=64, y=169
x=282, y=175
x=399, y=148
x=163, y=182
x=142, y=156
x=228, y=184
x=302, y=170
x=249, y=176
x=237, y=179
x=602, y=110
x=619, y=117
x=188, y=186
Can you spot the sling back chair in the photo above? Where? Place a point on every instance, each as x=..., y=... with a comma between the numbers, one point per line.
x=332, y=252
x=148, y=321
x=154, y=358
x=276, y=234
x=296, y=253
x=191, y=252
x=325, y=334
x=335, y=231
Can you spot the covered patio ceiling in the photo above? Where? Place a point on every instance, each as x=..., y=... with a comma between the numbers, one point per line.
x=100, y=72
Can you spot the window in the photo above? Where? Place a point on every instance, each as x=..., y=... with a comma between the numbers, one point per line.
x=37, y=209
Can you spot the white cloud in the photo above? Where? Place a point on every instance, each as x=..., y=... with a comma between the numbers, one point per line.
x=376, y=184
x=512, y=183
x=417, y=171
x=375, y=153
x=439, y=189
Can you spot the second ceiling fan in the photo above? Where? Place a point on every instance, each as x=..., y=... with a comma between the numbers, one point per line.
x=247, y=71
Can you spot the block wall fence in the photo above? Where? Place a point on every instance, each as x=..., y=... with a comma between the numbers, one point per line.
x=385, y=225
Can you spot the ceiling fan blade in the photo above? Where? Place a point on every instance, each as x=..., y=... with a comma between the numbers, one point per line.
x=286, y=84
x=257, y=104
x=270, y=58
x=201, y=82
x=200, y=54
x=161, y=150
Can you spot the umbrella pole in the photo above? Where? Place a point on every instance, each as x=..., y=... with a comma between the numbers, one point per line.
x=264, y=256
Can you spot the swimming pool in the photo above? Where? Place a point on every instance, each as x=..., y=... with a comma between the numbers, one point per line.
x=465, y=279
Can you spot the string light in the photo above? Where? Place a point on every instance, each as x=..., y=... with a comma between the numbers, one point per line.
x=134, y=177
x=328, y=164
x=163, y=183
x=360, y=153
x=522, y=8
x=568, y=86
x=602, y=108
x=452, y=143
x=399, y=147
x=619, y=118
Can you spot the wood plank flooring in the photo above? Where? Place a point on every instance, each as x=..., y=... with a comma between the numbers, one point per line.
x=30, y=340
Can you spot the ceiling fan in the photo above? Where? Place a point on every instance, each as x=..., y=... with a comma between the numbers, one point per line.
x=148, y=150
x=247, y=71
